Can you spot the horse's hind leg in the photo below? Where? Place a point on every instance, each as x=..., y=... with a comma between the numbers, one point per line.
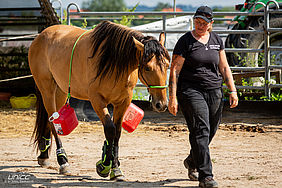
x=42, y=131
x=44, y=139
x=53, y=99
x=60, y=152
x=44, y=145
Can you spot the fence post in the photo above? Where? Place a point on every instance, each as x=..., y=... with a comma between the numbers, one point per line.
x=68, y=11
x=60, y=8
x=266, y=51
x=164, y=30
x=267, y=90
x=164, y=27
x=267, y=48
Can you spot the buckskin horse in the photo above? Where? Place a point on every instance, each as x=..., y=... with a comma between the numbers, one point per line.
x=106, y=64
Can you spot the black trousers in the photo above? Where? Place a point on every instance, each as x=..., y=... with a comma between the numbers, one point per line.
x=202, y=110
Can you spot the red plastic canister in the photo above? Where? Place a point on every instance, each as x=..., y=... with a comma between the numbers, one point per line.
x=65, y=120
x=132, y=117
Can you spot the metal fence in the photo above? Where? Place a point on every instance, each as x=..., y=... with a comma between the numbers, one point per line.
x=163, y=16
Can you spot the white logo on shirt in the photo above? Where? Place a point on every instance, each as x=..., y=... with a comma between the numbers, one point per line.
x=214, y=47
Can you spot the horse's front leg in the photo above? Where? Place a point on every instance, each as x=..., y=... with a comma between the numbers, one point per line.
x=119, y=110
x=104, y=165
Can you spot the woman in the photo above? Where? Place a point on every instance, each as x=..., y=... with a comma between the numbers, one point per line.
x=198, y=65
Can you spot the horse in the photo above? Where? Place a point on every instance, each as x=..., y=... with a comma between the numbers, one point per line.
x=106, y=64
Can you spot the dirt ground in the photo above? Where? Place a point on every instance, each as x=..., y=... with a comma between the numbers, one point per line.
x=245, y=153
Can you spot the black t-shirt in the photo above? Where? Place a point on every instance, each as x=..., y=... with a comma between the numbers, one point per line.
x=200, y=68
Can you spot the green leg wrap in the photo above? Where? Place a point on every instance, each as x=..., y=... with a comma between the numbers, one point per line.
x=103, y=170
x=104, y=165
x=44, y=144
x=61, y=156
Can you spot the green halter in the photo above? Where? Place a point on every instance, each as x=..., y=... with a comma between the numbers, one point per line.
x=146, y=83
x=158, y=87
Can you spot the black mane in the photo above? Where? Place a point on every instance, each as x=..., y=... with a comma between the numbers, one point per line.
x=117, y=49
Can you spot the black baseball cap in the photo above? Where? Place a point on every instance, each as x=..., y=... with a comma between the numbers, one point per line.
x=205, y=13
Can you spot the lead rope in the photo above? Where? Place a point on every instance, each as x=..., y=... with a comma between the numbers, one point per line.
x=69, y=95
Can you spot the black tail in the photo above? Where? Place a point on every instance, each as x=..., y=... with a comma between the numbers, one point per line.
x=41, y=124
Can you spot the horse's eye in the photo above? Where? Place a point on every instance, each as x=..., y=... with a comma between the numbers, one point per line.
x=147, y=69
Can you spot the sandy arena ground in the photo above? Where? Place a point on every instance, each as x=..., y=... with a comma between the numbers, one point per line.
x=244, y=155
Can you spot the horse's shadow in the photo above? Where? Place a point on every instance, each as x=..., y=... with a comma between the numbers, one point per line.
x=28, y=179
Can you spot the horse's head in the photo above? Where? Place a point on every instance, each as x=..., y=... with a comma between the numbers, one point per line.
x=152, y=72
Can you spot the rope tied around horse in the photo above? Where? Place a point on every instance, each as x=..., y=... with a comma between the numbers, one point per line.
x=69, y=95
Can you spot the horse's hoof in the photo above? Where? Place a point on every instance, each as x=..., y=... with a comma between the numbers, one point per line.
x=64, y=169
x=43, y=162
x=103, y=170
x=116, y=174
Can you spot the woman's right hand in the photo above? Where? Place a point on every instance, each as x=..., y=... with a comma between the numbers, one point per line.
x=172, y=105
x=176, y=66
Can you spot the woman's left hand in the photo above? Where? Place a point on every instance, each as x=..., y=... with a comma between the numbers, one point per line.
x=233, y=100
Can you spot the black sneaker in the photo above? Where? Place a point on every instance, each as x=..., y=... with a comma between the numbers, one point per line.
x=208, y=182
x=192, y=172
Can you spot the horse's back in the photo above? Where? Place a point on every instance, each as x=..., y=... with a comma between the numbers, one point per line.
x=49, y=53
x=52, y=44
x=49, y=39
x=56, y=36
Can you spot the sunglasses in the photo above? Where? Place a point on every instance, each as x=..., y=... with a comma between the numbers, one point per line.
x=201, y=23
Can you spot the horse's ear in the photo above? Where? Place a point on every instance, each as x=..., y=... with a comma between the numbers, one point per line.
x=162, y=38
x=138, y=45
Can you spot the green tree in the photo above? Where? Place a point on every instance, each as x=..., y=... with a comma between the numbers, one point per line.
x=222, y=9
x=104, y=5
x=160, y=6
x=126, y=20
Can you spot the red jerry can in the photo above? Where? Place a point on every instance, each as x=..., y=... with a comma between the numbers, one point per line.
x=65, y=121
x=132, y=117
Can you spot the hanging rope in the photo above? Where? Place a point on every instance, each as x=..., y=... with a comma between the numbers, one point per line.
x=69, y=95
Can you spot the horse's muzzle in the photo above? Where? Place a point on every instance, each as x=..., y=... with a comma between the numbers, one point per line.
x=159, y=106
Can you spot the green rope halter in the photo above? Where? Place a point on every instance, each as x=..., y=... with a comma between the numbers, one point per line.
x=158, y=87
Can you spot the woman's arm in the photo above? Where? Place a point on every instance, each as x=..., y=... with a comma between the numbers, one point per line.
x=228, y=79
x=175, y=68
